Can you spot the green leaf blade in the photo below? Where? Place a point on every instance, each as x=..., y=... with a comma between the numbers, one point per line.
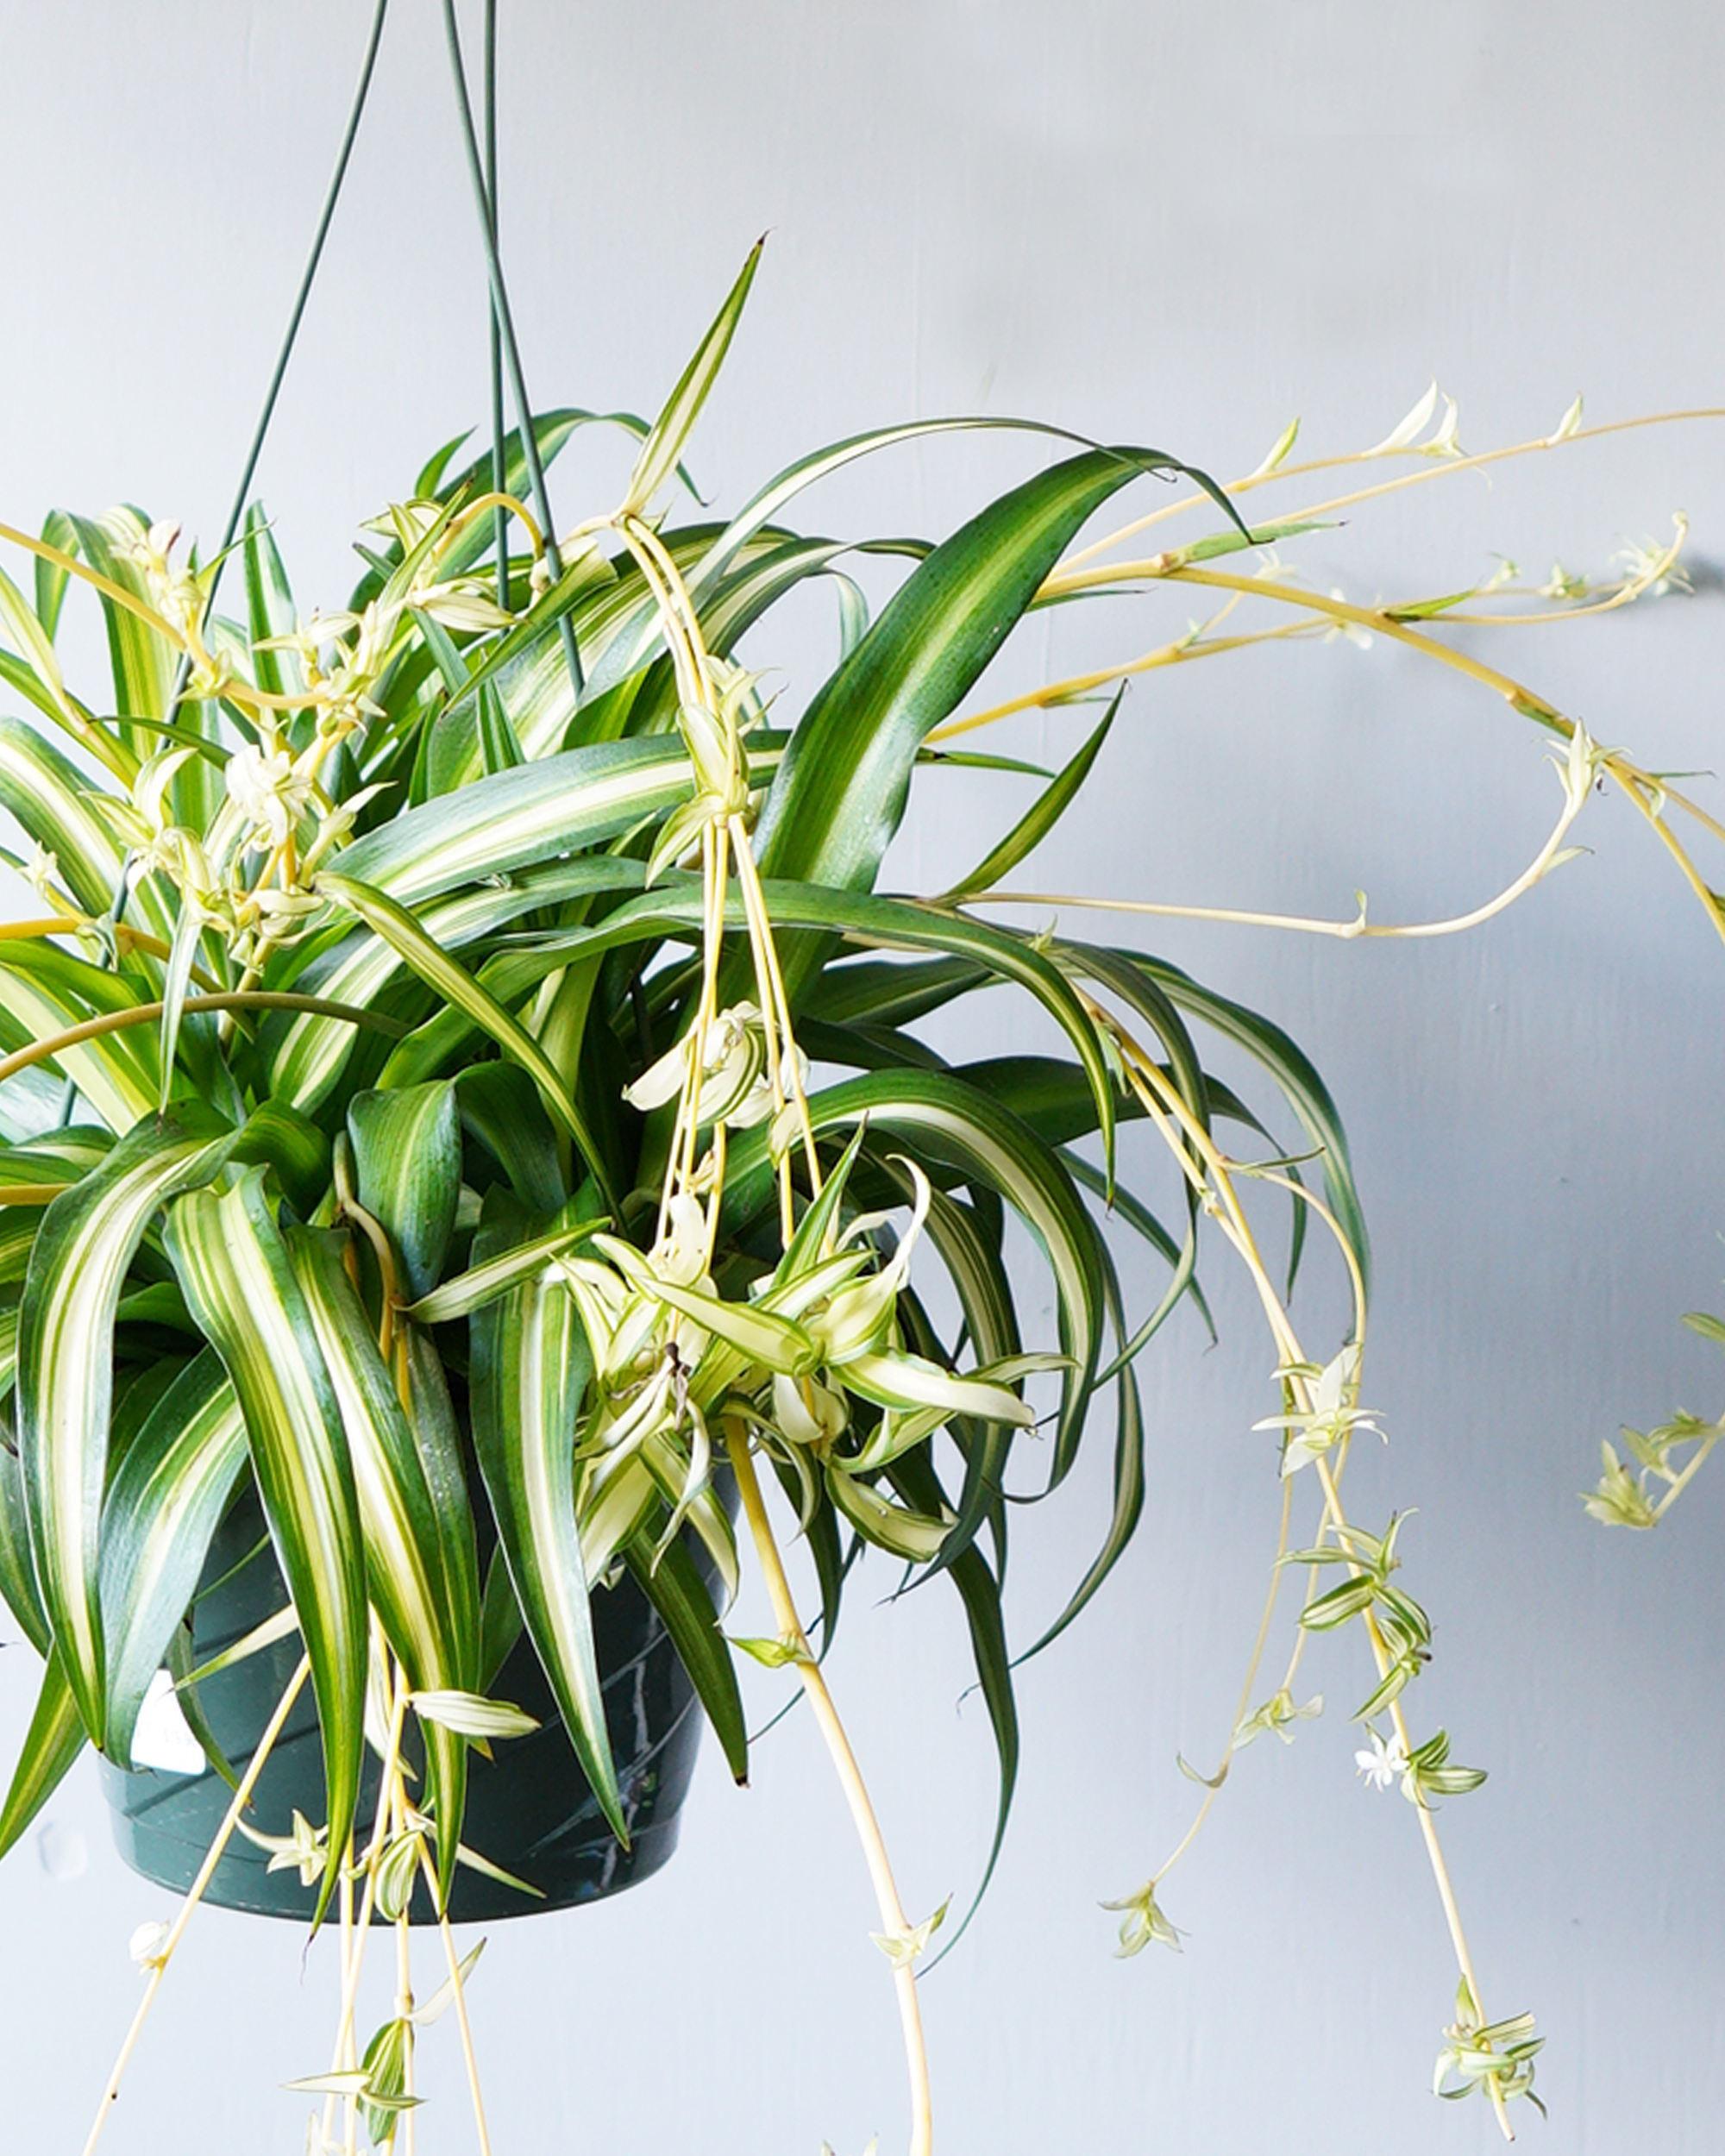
x=162, y=1508
x=531, y=1367
x=238, y=1277
x=77, y=1267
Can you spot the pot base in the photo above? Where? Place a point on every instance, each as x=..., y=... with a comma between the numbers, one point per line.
x=529, y=1808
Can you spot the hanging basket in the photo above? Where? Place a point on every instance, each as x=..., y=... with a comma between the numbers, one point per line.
x=529, y=1808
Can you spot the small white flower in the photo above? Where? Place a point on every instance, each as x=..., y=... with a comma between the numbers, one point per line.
x=146, y=1944
x=1562, y=583
x=735, y=1085
x=1648, y=566
x=1143, y=1924
x=1333, y=1414
x=1384, y=1764
x=40, y=870
x=268, y=793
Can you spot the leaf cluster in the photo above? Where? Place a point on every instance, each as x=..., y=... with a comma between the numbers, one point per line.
x=358, y=934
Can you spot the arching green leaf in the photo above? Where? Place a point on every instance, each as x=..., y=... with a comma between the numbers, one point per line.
x=162, y=1508
x=86, y=1243
x=239, y=1280
x=530, y=1373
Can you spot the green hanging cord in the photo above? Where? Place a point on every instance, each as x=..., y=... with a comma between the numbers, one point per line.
x=512, y=350
x=332, y=195
x=499, y=467
x=331, y=198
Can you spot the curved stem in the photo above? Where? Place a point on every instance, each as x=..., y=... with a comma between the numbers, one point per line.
x=1223, y=1201
x=893, y=1920
x=148, y=1013
x=224, y=1834
x=1245, y=1702
x=458, y=1987
x=1433, y=468
x=1347, y=931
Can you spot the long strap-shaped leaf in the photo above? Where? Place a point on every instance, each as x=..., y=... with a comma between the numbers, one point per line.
x=1128, y=1469
x=858, y=913
x=1034, y=825
x=985, y=1296
x=167, y=1498
x=106, y=1070
x=670, y=430
x=407, y=1154
x=48, y=795
x=17, y=1571
x=980, y=1592
x=306, y=1055
x=1304, y=1091
x=841, y=791
x=433, y=1629
x=514, y=819
x=531, y=1369
x=672, y=1582
x=238, y=1278
x=458, y=987
x=88, y=1239
x=52, y=1741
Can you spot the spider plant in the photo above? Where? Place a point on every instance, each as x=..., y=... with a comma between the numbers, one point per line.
x=462, y=1088
x=410, y=1112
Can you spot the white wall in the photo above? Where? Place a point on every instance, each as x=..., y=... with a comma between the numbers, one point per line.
x=1175, y=225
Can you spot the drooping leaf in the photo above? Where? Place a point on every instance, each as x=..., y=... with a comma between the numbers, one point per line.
x=500, y=1108
x=306, y=1055
x=407, y=1156
x=841, y=791
x=451, y=980
x=433, y=1630
x=52, y=1743
x=86, y=1243
x=980, y=1592
x=238, y=1277
x=672, y=1582
x=167, y=1495
x=531, y=1367
x=1040, y=818
x=1304, y=1091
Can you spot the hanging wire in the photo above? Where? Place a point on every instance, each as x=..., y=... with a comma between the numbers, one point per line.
x=505, y=321
x=183, y=672
x=331, y=196
x=499, y=469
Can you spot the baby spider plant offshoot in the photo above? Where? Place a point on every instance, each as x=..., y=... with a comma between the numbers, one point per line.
x=466, y=1134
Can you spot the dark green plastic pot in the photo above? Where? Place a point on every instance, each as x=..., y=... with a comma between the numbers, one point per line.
x=529, y=1808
